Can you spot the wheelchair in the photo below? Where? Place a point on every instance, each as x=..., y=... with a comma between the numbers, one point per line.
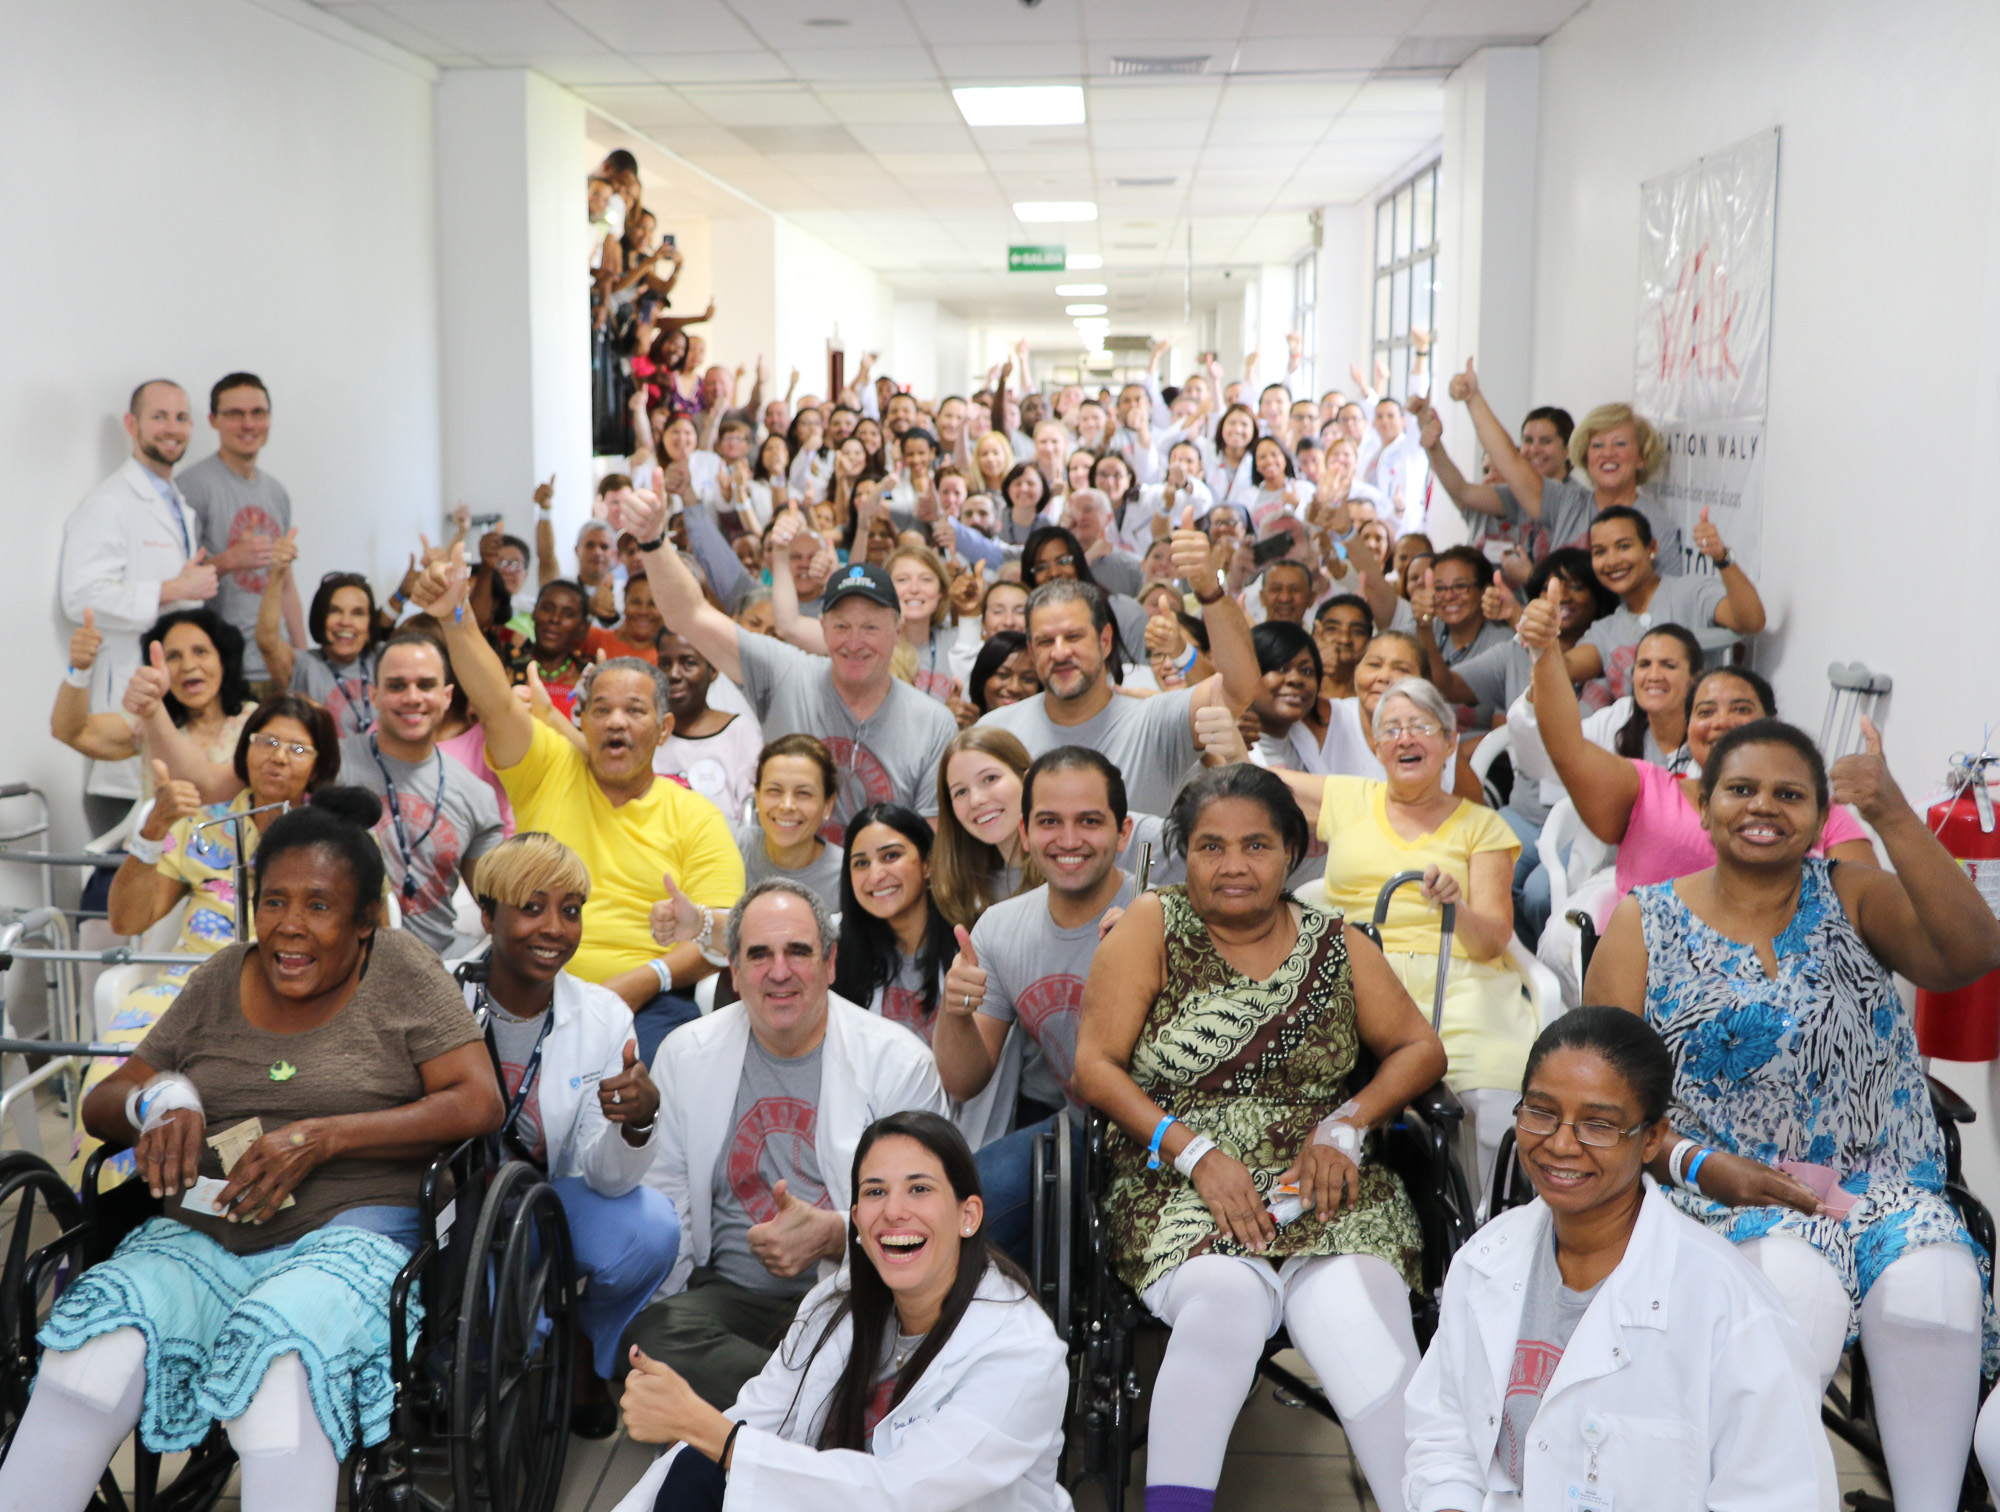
x=1847, y=1411
x=481, y=1379
x=1100, y=1319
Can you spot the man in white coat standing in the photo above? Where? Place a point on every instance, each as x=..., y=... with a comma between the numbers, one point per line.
x=131, y=552
x=762, y=1105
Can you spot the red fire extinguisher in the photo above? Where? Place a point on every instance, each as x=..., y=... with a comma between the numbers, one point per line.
x=1965, y=1025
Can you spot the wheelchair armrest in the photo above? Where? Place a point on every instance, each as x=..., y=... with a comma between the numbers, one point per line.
x=1439, y=1105
x=1948, y=1105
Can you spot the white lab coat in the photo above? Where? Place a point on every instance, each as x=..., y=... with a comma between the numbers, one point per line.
x=119, y=546
x=1686, y=1366
x=981, y=1431
x=586, y=1044
x=868, y=1069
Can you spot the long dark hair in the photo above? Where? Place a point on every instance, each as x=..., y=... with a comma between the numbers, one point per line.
x=322, y=602
x=872, y=1306
x=234, y=691
x=1631, y=739
x=1000, y=645
x=869, y=953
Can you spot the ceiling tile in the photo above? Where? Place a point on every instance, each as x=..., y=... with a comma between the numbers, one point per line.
x=891, y=107
x=485, y=27
x=860, y=65
x=596, y=68
x=384, y=22
x=1152, y=100
x=1340, y=18
x=1293, y=54
x=714, y=67
x=1531, y=18
x=934, y=163
x=645, y=26
x=760, y=107
x=1157, y=137
x=1000, y=62
x=959, y=22
x=652, y=106
x=1147, y=24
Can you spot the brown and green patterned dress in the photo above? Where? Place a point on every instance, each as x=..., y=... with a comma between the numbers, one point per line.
x=1254, y=1066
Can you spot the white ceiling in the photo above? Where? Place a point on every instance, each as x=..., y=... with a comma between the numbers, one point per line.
x=850, y=130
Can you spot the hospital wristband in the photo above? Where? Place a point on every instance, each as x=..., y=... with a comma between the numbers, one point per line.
x=663, y=973
x=1153, y=1149
x=1693, y=1182
x=1678, y=1154
x=77, y=677
x=146, y=852
x=1191, y=1153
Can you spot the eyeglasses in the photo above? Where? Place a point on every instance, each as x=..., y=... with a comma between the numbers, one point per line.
x=287, y=747
x=1455, y=590
x=1398, y=731
x=243, y=414
x=1049, y=564
x=1598, y=1133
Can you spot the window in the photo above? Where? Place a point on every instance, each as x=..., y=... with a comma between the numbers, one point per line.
x=1405, y=273
x=1305, y=320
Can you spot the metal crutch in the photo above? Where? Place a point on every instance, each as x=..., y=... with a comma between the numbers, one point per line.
x=1853, y=691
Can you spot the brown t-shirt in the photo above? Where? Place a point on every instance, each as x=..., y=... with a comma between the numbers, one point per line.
x=405, y=1011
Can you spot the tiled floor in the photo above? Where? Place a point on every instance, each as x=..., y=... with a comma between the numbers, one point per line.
x=1281, y=1458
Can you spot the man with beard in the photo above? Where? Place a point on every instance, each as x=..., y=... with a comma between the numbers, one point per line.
x=1026, y=961
x=714, y=751
x=438, y=818
x=131, y=552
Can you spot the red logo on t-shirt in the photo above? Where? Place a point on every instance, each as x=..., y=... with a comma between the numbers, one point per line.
x=1048, y=1010
x=1534, y=1366
x=863, y=780
x=785, y=1122
x=253, y=519
x=902, y=1005
x=436, y=866
x=1619, y=673
x=347, y=701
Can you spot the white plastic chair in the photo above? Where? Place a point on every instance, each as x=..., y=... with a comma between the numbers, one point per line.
x=1492, y=746
x=1586, y=881
x=114, y=983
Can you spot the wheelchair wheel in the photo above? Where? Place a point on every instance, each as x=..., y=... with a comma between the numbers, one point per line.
x=511, y=1362
x=43, y=1250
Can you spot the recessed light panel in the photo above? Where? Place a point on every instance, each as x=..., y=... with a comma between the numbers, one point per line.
x=1085, y=309
x=1044, y=211
x=1082, y=262
x=1021, y=105
x=1079, y=291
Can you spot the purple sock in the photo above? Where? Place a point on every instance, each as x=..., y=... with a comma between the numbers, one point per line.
x=1180, y=1498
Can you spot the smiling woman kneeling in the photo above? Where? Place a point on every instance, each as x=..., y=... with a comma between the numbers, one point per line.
x=335, y=1058
x=924, y=1374
x=1596, y=1346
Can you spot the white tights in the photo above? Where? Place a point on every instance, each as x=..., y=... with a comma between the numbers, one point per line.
x=1349, y=1315
x=87, y=1402
x=1492, y=1113
x=1920, y=1326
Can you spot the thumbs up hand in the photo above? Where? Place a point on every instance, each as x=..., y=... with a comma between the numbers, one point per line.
x=797, y=1236
x=442, y=584
x=629, y=1097
x=1464, y=385
x=1707, y=539
x=85, y=642
x=1423, y=599
x=1863, y=780
x=1197, y=561
x=676, y=918
x=149, y=685
x=196, y=581
x=1540, y=625
x=1498, y=603
x=172, y=802
x=965, y=982
x=285, y=550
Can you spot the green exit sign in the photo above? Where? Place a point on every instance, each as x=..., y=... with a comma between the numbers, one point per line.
x=1037, y=259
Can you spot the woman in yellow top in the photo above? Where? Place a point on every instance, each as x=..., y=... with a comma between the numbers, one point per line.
x=1408, y=822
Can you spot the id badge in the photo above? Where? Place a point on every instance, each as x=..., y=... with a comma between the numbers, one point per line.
x=1586, y=1498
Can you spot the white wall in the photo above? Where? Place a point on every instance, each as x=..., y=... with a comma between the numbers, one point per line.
x=1344, y=282
x=819, y=290
x=1880, y=542
x=912, y=356
x=192, y=189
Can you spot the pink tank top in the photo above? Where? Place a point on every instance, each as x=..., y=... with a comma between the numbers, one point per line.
x=1665, y=838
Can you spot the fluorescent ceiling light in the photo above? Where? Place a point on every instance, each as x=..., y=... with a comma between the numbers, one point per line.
x=1035, y=211
x=1021, y=105
x=1079, y=291
x=1091, y=323
x=1082, y=262
x=1085, y=309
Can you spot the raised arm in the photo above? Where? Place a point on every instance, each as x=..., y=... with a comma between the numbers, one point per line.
x=1602, y=784
x=1925, y=918
x=967, y=1042
x=441, y=591
x=1499, y=446
x=278, y=594
x=1743, y=610
x=1481, y=498
x=101, y=737
x=683, y=607
x=548, y=567
x=1237, y=680
x=793, y=627
x=141, y=894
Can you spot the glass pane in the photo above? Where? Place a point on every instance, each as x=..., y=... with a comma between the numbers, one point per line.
x=1385, y=219
x=1420, y=294
x=1399, y=303
x=1399, y=374
x=1403, y=223
x=1383, y=329
x=1426, y=210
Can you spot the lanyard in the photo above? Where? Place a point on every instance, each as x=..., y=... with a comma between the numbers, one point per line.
x=396, y=815
x=530, y=1073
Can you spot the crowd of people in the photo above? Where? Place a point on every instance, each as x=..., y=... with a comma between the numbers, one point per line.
x=875, y=781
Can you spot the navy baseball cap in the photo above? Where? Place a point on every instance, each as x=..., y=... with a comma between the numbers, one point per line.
x=864, y=578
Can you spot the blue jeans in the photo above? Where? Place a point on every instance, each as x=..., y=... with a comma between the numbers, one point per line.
x=1006, y=1179
x=624, y=1246
x=1531, y=881
x=660, y=1018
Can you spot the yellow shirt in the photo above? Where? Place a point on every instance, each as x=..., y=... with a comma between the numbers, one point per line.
x=1363, y=852
x=627, y=848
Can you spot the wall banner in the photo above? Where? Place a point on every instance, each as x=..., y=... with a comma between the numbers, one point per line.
x=1707, y=252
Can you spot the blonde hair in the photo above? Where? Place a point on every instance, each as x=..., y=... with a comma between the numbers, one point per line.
x=965, y=870
x=1607, y=417
x=903, y=662
x=933, y=564
x=515, y=870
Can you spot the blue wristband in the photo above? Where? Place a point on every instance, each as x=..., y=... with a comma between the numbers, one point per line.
x=1153, y=1149
x=1690, y=1179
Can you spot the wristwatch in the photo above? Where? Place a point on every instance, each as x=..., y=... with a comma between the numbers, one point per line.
x=1727, y=559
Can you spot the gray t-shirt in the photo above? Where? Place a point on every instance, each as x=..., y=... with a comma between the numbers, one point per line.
x=1035, y=973
x=1119, y=572
x=1686, y=601
x=1149, y=740
x=514, y=1042
x=342, y=691
x=1550, y=1312
x=1568, y=506
x=230, y=508
x=821, y=876
x=775, y=1123
x=901, y=999
x=1492, y=636
x=892, y=755
x=449, y=819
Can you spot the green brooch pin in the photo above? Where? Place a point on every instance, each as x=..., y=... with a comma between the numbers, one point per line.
x=284, y=1071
